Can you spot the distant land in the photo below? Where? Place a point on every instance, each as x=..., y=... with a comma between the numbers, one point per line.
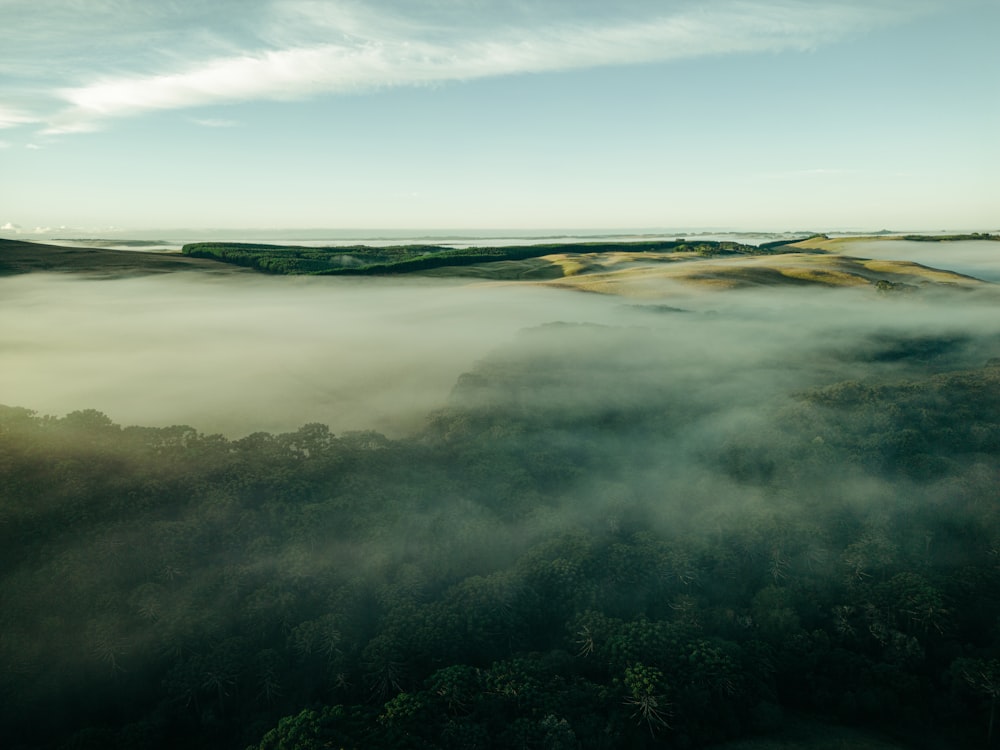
x=18, y=256
x=366, y=260
x=597, y=265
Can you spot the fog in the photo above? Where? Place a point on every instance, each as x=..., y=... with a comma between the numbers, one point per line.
x=978, y=258
x=240, y=354
x=667, y=395
x=736, y=464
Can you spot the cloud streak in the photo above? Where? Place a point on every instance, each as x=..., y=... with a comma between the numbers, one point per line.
x=215, y=123
x=10, y=118
x=372, y=53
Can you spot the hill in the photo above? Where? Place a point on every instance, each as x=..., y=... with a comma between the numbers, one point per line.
x=17, y=257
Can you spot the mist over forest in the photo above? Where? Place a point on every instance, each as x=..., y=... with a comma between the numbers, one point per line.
x=241, y=353
x=285, y=512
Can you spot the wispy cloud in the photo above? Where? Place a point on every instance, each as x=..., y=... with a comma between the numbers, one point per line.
x=10, y=117
x=372, y=52
x=33, y=147
x=215, y=123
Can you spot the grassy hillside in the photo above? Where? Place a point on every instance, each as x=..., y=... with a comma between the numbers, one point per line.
x=364, y=260
x=17, y=257
x=836, y=244
x=644, y=280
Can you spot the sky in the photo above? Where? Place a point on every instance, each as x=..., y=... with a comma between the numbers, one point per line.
x=124, y=116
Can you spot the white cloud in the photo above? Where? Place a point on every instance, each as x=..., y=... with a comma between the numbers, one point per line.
x=10, y=117
x=376, y=52
x=33, y=146
x=5, y=144
x=10, y=227
x=66, y=124
x=215, y=123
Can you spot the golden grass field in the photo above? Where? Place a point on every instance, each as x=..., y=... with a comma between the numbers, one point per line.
x=818, y=262
x=795, y=269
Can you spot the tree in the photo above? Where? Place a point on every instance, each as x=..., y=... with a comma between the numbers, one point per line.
x=644, y=691
x=307, y=730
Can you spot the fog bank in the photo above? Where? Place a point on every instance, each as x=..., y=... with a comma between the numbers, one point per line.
x=241, y=354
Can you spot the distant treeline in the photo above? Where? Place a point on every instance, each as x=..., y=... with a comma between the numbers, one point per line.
x=365, y=260
x=950, y=237
x=519, y=574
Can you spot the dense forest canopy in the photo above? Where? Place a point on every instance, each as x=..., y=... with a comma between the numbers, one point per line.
x=682, y=525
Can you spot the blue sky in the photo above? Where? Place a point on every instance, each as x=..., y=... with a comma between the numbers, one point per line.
x=129, y=115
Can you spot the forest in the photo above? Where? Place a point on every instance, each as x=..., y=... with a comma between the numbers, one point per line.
x=588, y=546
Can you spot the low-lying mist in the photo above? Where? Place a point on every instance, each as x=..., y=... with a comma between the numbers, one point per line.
x=588, y=521
x=240, y=354
x=977, y=258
